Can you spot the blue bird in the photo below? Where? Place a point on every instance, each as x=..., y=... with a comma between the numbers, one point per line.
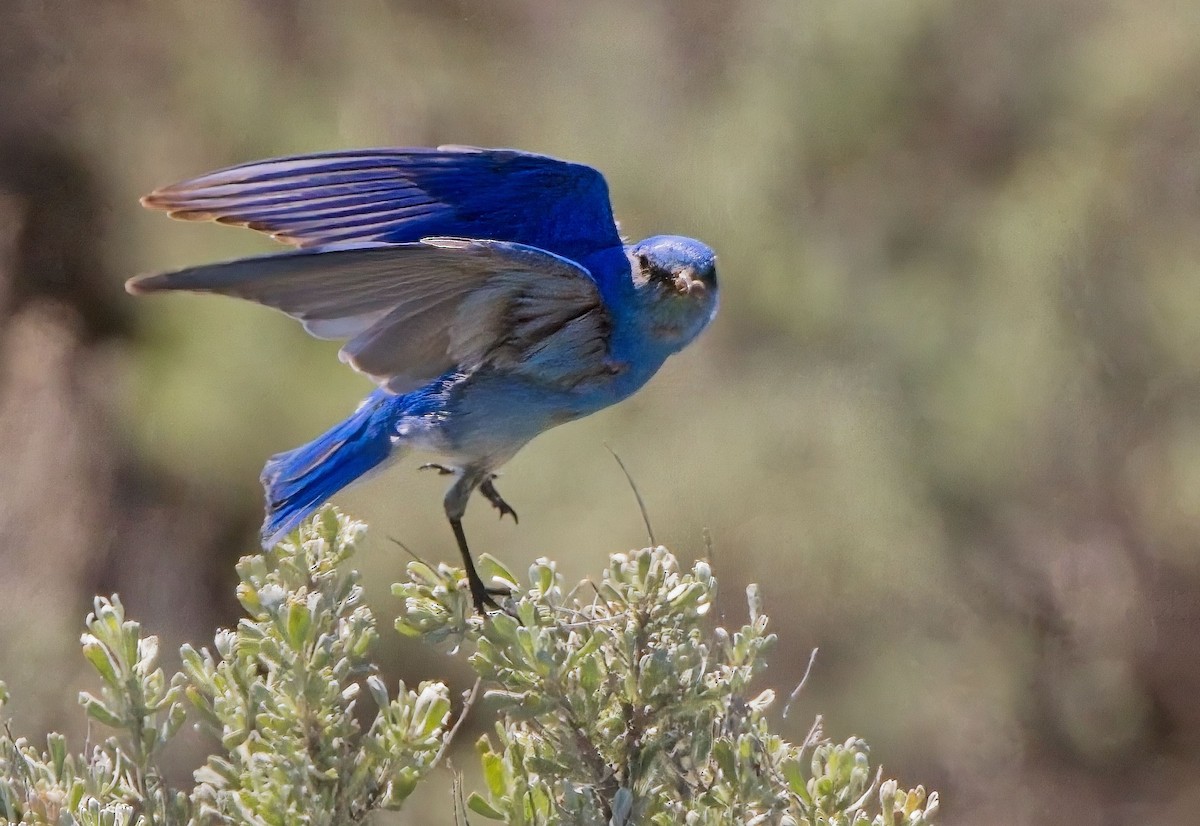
x=487, y=292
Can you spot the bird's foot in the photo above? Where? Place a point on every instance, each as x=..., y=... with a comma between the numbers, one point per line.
x=482, y=596
x=492, y=495
x=441, y=469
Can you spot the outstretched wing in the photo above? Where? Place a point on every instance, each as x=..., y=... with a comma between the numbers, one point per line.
x=404, y=195
x=412, y=312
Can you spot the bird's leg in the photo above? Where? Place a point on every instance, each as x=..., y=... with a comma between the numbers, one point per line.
x=456, y=506
x=480, y=594
x=486, y=487
x=492, y=495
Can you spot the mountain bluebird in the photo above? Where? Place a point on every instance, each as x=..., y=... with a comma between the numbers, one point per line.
x=486, y=292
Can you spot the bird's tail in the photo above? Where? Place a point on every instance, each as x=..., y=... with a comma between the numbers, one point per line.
x=300, y=481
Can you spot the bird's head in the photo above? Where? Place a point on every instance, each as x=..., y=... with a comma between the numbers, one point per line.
x=677, y=279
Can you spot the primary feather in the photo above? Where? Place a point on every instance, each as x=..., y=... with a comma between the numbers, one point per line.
x=403, y=195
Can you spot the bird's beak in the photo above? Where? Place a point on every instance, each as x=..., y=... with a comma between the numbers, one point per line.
x=686, y=283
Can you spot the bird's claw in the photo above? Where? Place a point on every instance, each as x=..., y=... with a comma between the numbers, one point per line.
x=485, y=487
x=492, y=495
x=482, y=596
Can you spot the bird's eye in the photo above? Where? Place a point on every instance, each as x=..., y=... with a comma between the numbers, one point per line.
x=653, y=271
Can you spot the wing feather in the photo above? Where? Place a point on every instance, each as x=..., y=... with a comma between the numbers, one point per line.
x=414, y=311
x=403, y=195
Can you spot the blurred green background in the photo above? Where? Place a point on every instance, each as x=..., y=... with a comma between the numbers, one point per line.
x=948, y=417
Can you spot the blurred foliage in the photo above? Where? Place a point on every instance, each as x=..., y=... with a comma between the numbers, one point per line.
x=617, y=709
x=278, y=696
x=949, y=408
x=618, y=706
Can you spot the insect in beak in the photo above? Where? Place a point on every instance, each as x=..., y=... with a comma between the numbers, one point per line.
x=687, y=283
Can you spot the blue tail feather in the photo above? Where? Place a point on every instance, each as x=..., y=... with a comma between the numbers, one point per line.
x=299, y=481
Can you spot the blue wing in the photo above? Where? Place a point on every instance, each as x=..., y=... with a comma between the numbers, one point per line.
x=413, y=312
x=403, y=195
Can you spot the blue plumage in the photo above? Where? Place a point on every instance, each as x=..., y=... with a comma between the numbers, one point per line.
x=398, y=195
x=299, y=481
x=487, y=293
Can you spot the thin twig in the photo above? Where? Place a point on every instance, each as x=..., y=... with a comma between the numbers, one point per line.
x=869, y=793
x=636, y=493
x=460, y=802
x=462, y=716
x=810, y=739
x=408, y=551
x=796, y=693
x=595, y=621
x=571, y=594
